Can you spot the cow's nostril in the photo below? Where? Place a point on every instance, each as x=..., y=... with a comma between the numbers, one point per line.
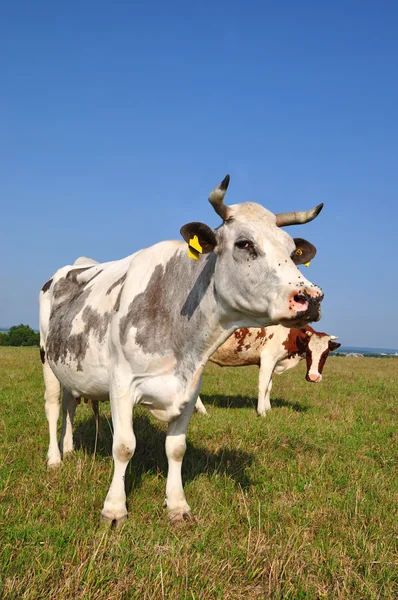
x=300, y=299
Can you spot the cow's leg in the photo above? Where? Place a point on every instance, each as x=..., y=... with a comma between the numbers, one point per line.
x=264, y=386
x=200, y=406
x=176, y=503
x=267, y=397
x=68, y=415
x=52, y=402
x=122, y=450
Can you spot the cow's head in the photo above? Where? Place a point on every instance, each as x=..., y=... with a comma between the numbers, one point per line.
x=255, y=274
x=318, y=347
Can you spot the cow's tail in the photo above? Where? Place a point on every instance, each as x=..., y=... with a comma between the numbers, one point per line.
x=95, y=407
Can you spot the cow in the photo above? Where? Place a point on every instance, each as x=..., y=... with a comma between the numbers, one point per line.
x=140, y=330
x=274, y=349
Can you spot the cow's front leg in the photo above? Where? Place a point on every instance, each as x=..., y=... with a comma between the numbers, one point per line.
x=267, y=397
x=123, y=449
x=68, y=415
x=264, y=386
x=177, y=506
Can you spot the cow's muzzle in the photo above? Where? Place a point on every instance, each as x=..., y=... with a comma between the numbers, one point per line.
x=312, y=378
x=313, y=312
x=305, y=307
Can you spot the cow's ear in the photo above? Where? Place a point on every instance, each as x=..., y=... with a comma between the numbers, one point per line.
x=204, y=234
x=333, y=346
x=304, y=252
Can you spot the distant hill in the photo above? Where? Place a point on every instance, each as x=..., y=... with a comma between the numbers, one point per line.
x=344, y=350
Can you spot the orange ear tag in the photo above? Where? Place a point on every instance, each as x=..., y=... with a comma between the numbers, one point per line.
x=307, y=264
x=194, y=248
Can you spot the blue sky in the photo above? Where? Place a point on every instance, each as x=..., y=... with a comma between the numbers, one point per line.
x=118, y=118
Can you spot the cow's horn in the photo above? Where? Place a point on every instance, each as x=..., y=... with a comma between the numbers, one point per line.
x=216, y=198
x=296, y=218
x=334, y=337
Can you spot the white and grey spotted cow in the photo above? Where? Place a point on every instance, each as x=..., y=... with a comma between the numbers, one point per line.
x=275, y=349
x=140, y=330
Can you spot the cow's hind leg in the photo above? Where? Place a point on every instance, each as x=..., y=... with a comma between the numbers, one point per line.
x=176, y=503
x=123, y=449
x=52, y=402
x=68, y=415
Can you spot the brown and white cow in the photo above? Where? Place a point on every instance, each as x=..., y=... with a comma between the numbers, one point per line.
x=140, y=330
x=274, y=349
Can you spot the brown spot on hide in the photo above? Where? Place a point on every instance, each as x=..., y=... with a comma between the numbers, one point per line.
x=296, y=342
x=240, y=336
x=271, y=335
x=308, y=360
x=261, y=333
x=322, y=360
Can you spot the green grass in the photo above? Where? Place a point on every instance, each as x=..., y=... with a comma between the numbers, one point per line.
x=299, y=505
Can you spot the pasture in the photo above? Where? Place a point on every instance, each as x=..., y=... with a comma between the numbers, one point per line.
x=301, y=504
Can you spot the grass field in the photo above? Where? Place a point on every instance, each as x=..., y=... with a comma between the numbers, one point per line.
x=301, y=504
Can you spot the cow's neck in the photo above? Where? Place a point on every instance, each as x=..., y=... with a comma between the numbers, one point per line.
x=180, y=313
x=205, y=321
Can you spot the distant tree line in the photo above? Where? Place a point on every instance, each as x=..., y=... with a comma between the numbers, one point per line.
x=19, y=335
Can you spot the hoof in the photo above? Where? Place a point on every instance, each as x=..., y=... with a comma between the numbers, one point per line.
x=67, y=454
x=113, y=522
x=113, y=515
x=262, y=414
x=53, y=465
x=181, y=518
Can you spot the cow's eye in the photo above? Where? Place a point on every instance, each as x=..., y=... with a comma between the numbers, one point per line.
x=244, y=244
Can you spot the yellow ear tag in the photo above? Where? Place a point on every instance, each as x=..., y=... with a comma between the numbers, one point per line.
x=194, y=248
x=307, y=264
